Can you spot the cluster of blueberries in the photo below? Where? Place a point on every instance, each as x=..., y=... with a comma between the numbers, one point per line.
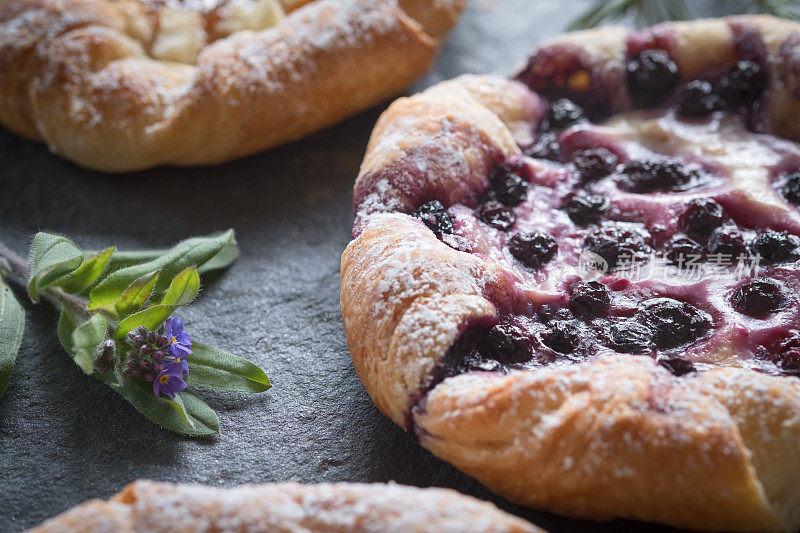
x=659, y=325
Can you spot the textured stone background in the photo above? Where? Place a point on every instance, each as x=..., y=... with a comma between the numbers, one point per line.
x=65, y=438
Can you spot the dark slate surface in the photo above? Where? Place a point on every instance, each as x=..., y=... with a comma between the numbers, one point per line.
x=65, y=438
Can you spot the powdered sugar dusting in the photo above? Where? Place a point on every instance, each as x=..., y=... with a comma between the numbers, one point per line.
x=345, y=508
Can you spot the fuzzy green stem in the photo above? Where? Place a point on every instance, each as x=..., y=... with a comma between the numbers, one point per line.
x=15, y=268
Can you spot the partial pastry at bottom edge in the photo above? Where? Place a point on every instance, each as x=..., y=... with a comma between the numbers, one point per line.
x=345, y=507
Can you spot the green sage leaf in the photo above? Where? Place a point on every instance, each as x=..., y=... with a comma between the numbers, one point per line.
x=181, y=291
x=67, y=322
x=183, y=288
x=151, y=318
x=12, y=326
x=52, y=257
x=188, y=416
x=212, y=368
x=87, y=273
x=122, y=259
x=194, y=252
x=136, y=295
x=87, y=340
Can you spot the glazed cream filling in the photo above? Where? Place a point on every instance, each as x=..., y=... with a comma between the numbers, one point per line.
x=181, y=29
x=722, y=140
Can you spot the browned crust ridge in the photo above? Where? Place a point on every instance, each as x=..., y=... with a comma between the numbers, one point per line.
x=75, y=75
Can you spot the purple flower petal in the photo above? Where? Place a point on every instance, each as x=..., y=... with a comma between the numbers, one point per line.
x=168, y=385
x=176, y=367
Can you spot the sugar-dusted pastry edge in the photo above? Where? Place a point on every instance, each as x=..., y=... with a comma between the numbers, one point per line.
x=344, y=507
x=73, y=75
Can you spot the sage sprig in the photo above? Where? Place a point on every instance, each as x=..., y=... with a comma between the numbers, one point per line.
x=117, y=322
x=12, y=326
x=649, y=12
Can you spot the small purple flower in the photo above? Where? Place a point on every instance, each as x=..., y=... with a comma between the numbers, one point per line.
x=180, y=341
x=160, y=356
x=168, y=383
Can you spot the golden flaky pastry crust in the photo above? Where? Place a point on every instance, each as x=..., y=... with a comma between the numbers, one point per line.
x=617, y=436
x=147, y=506
x=111, y=86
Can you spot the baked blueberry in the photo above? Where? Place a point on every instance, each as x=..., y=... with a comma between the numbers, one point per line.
x=594, y=163
x=652, y=75
x=628, y=336
x=509, y=187
x=589, y=300
x=584, y=208
x=701, y=218
x=545, y=147
x=549, y=312
x=472, y=362
x=434, y=215
x=742, y=83
x=643, y=176
x=697, y=99
x=681, y=250
x=791, y=188
x=533, y=249
x=758, y=298
x=677, y=365
x=563, y=113
x=788, y=355
x=561, y=336
x=496, y=215
x=673, y=323
x=613, y=241
x=775, y=247
x=791, y=363
x=508, y=343
x=727, y=241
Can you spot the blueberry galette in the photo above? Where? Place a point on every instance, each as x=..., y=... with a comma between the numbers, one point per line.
x=150, y=507
x=121, y=85
x=581, y=285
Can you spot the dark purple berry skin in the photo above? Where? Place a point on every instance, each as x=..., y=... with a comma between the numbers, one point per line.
x=787, y=357
x=701, y=218
x=509, y=187
x=589, y=300
x=791, y=188
x=532, y=249
x=775, y=247
x=657, y=175
x=496, y=215
x=742, y=83
x=612, y=241
x=508, y=344
x=563, y=113
x=629, y=336
x=550, y=312
x=594, y=163
x=652, y=75
x=434, y=215
x=758, y=298
x=673, y=323
x=545, y=147
x=584, y=208
x=682, y=250
x=727, y=240
x=697, y=99
x=561, y=337
x=677, y=365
